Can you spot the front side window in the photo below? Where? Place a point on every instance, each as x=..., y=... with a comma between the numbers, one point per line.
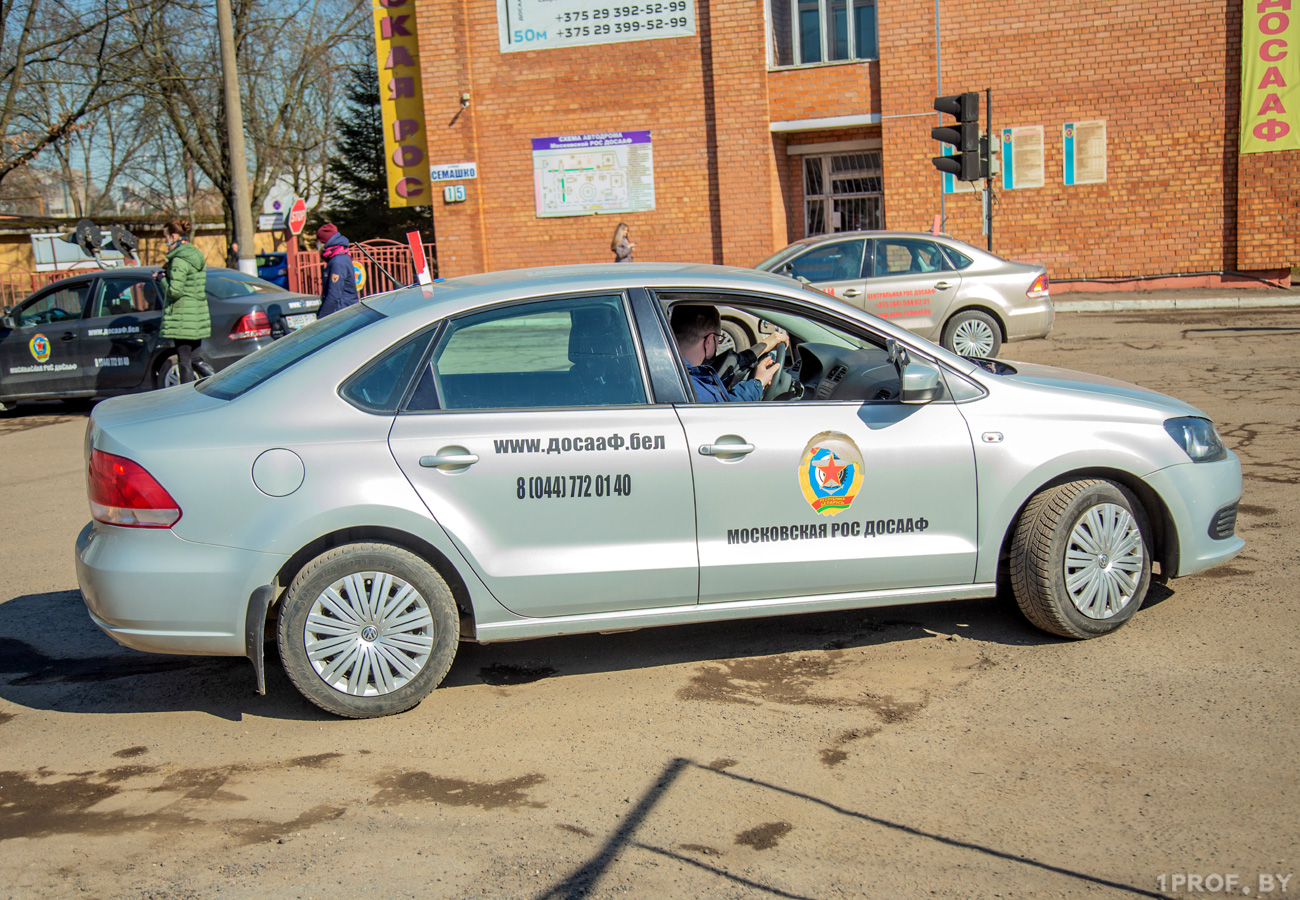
x=840, y=261
x=572, y=352
x=58, y=305
x=805, y=32
x=843, y=192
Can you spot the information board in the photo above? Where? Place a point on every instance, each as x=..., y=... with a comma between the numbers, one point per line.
x=546, y=24
x=585, y=174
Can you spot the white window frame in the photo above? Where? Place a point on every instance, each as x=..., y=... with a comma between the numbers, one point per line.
x=825, y=12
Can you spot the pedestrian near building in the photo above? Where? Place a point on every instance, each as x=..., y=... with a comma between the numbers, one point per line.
x=183, y=284
x=338, y=278
x=620, y=244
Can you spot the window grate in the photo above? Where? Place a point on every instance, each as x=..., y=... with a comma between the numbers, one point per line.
x=843, y=192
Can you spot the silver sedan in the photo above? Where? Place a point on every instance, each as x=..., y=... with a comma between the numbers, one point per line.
x=523, y=454
x=941, y=288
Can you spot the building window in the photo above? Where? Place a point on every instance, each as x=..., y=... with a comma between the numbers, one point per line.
x=813, y=31
x=843, y=192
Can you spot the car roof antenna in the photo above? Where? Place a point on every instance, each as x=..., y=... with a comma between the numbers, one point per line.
x=387, y=274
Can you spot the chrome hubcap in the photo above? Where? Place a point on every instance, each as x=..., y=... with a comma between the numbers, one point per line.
x=1103, y=561
x=973, y=337
x=368, y=634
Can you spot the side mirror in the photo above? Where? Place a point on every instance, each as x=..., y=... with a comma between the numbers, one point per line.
x=8, y=322
x=920, y=381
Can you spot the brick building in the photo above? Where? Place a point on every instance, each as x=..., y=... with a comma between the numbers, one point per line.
x=777, y=118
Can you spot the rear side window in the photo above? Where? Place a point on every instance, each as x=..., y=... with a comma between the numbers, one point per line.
x=572, y=352
x=379, y=386
x=252, y=370
x=959, y=260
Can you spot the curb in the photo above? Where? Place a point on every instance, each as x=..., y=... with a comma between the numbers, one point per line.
x=1247, y=302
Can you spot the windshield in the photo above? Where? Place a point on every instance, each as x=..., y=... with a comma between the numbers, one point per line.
x=227, y=284
x=779, y=257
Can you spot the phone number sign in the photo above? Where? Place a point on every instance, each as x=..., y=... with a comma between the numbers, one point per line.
x=546, y=24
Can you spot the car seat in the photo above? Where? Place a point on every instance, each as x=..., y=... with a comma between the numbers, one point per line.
x=604, y=366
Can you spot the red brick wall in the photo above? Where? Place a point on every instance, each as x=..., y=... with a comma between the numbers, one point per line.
x=1164, y=77
x=818, y=92
x=703, y=99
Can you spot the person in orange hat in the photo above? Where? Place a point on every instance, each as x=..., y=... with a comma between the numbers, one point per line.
x=338, y=278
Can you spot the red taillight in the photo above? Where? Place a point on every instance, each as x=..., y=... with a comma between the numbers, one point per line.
x=123, y=493
x=251, y=325
x=1039, y=287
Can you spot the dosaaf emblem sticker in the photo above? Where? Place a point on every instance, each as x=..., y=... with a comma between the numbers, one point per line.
x=40, y=347
x=830, y=472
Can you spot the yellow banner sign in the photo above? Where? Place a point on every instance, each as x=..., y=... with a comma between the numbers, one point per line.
x=401, y=100
x=1270, y=76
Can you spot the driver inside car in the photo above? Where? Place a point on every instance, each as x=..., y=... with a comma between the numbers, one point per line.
x=696, y=328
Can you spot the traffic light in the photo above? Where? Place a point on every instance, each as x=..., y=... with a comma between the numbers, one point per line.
x=965, y=137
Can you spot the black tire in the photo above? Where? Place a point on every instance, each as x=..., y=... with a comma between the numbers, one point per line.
x=739, y=337
x=1081, y=558
x=404, y=652
x=973, y=333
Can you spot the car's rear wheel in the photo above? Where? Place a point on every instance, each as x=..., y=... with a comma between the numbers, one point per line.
x=169, y=373
x=367, y=630
x=1081, y=559
x=973, y=333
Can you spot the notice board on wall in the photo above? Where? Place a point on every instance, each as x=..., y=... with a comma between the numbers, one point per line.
x=590, y=174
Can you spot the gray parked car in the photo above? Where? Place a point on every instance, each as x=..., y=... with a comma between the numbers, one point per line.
x=521, y=454
x=943, y=289
x=97, y=334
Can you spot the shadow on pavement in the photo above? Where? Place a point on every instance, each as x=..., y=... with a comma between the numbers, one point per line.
x=52, y=656
x=582, y=881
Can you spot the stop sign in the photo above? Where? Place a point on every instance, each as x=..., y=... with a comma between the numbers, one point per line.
x=297, y=216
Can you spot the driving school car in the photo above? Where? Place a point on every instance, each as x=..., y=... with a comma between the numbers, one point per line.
x=520, y=454
x=98, y=334
x=943, y=289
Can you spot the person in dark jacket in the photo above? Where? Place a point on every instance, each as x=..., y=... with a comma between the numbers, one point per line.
x=183, y=284
x=338, y=278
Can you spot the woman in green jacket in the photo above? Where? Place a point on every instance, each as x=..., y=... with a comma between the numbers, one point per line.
x=183, y=283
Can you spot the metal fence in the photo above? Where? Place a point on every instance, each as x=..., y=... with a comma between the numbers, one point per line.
x=395, y=257
x=16, y=284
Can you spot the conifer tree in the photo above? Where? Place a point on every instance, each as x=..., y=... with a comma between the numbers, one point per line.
x=356, y=198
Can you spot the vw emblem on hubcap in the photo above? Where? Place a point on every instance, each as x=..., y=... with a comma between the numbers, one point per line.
x=1103, y=560
x=369, y=633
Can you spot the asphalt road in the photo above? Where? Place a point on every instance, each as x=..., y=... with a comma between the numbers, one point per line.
x=946, y=750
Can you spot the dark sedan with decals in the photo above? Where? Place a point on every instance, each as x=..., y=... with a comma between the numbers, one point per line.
x=97, y=334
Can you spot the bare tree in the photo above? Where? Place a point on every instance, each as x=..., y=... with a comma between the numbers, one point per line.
x=291, y=71
x=65, y=49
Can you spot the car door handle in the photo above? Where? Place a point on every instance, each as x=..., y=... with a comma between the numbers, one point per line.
x=942, y=286
x=449, y=460
x=726, y=449
x=850, y=292
x=69, y=336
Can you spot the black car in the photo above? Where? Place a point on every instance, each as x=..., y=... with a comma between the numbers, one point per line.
x=97, y=334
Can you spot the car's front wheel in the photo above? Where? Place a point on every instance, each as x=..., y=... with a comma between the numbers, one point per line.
x=973, y=333
x=367, y=629
x=1081, y=559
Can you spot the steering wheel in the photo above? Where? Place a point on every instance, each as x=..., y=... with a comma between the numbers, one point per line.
x=784, y=385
